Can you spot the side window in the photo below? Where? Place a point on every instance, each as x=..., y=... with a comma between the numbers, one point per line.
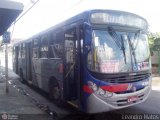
x=35, y=52
x=44, y=46
x=13, y=51
x=20, y=51
x=56, y=45
x=35, y=49
x=23, y=50
x=70, y=45
x=51, y=47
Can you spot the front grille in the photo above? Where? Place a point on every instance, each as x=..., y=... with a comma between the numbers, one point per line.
x=128, y=91
x=124, y=101
x=127, y=78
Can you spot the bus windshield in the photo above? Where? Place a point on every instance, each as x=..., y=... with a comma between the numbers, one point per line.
x=139, y=44
x=111, y=51
x=140, y=51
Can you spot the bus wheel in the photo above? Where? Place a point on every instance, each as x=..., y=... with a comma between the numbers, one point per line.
x=21, y=76
x=55, y=93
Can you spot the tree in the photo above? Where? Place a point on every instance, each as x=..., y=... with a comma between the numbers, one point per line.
x=154, y=42
x=153, y=38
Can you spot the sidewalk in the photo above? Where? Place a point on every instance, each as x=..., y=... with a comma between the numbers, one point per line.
x=156, y=82
x=17, y=106
x=26, y=102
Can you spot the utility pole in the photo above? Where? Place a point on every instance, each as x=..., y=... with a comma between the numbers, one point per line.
x=6, y=40
x=6, y=66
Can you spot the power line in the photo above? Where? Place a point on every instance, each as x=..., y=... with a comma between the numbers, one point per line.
x=26, y=11
x=13, y=24
x=76, y=4
x=12, y=30
x=32, y=7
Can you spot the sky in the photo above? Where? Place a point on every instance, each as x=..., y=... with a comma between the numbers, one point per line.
x=47, y=13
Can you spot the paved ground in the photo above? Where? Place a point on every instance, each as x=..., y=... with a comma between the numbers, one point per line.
x=27, y=102
x=16, y=105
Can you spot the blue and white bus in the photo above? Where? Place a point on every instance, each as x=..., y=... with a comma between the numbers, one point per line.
x=98, y=61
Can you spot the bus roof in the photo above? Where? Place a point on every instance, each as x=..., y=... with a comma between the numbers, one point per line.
x=85, y=17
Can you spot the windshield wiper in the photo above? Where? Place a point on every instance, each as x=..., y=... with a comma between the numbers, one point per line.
x=123, y=49
x=120, y=43
x=135, y=37
x=114, y=36
x=132, y=51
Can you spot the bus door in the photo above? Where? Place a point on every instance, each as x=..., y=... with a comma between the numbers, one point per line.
x=72, y=66
x=28, y=59
x=15, y=59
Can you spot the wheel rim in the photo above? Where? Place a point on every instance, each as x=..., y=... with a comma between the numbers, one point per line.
x=21, y=77
x=56, y=92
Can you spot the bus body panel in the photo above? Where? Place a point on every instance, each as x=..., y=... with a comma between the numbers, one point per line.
x=22, y=67
x=15, y=59
x=44, y=70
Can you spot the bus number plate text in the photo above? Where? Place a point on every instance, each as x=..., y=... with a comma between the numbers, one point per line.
x=132, y=98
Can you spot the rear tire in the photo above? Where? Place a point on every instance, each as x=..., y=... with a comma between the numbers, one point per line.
x=21, y=77
x=55, y=94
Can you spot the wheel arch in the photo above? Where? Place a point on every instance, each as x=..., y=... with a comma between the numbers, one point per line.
x=52, y=80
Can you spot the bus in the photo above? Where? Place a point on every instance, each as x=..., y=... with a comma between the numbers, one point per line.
x=97, y=61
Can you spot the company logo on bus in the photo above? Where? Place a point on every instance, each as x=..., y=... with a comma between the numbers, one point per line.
x=134, y=89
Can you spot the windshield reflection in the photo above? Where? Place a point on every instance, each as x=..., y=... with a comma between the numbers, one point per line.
x=118, y=52
x=107, y=54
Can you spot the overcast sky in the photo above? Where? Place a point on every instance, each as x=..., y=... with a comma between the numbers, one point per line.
x=47, y=13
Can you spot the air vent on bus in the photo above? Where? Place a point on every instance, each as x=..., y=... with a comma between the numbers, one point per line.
x=127, y=78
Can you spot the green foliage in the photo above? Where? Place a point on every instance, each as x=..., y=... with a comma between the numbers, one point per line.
x=156, y=46
x=154, y=42
x=151, y=39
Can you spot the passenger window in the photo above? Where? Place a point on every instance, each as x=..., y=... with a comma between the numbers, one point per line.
x=20, y=51
x=23, y=50
x=56, y=45
x=35, y=50
x=19, y=55
x=51, y=48
x=14, y=50
x=44, y=46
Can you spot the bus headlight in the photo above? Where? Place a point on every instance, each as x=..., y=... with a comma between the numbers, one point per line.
x=103, y=93
x=93, y=86
x=99, y=91
x=108, y=94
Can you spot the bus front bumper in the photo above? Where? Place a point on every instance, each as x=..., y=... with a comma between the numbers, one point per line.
x=96, y=103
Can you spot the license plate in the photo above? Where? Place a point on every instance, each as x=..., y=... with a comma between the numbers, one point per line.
x=132, y=99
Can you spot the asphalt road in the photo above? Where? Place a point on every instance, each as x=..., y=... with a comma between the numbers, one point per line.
x=150, y=108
